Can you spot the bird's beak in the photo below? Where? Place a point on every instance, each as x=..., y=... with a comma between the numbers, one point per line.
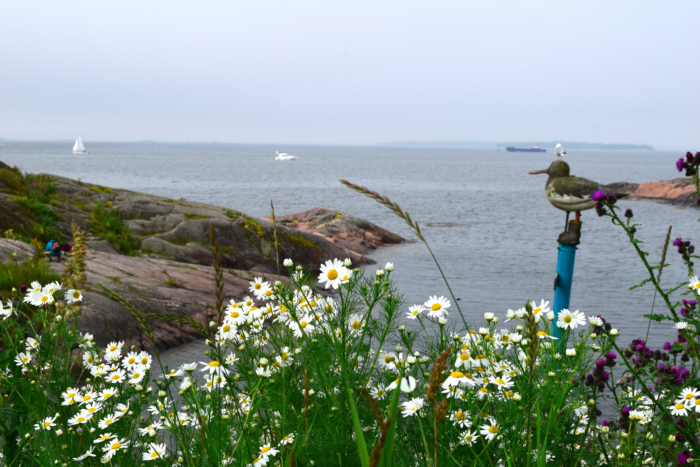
x=534, y=172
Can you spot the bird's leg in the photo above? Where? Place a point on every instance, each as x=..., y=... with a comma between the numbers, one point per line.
x=578, y=216
x=566, y=223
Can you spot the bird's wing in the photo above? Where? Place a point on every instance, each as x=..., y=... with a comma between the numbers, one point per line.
x=574, y=186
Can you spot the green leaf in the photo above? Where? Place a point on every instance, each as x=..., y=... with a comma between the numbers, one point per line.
x=658, y=318
x=388, y=450
x=641, y=284
x=361, y=443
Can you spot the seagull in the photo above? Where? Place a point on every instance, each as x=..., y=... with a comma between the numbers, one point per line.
x=560, y=151
x=567, y=192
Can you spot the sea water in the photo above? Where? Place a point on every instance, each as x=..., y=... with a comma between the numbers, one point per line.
x=487, y=221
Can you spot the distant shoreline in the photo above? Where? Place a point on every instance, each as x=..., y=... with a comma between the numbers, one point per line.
x=522, y=144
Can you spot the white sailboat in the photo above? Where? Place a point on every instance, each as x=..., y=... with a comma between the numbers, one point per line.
x=79, y=148
x=283, y=156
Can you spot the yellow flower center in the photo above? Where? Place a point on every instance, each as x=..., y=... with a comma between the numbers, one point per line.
x=265, y=449
x=435, y=306
x=457, y=374
x=332, y=274
x=460, y=415
x=92, y=409
x=356, y=325
x=132, y=360
x=541, y=333
x=493, y=429
x=465, y=346
x=87, y=397
x=136, y=376
x=303, y=324
x=679, y=406
x=76, y=295
x=116, y=446
x=484, y=390
x=689, y=396
x=285, y=356
x=45, y=424
x=113, y=348
x=80, y=419
x=115, y=376
x=268, y=293
x=154, y=454
x=144, y=360
x=500, y=381
x=536, y=310
x=45, y=298
x=226, y=328
x=329, y=308
x=214, y=363
x=464, y=356
x=235, y=314
x=567, y=319
x=509, y=394
x=258, y=286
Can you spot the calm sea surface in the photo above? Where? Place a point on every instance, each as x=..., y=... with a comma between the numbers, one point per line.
x=486, y=219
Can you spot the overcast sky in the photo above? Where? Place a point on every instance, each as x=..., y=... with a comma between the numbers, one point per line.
x=351, y=72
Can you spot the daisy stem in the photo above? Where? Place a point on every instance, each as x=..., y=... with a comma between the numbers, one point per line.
x=454, y=299
x=425, y=441
x=427, y=334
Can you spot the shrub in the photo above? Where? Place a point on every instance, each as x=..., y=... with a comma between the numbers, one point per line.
x=107, y=223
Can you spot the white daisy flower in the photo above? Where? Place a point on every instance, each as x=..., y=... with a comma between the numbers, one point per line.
x=104, y=437
x=414, y=311
x=540, y=310
x=681, y=325
x=461, y=419
x=412, y=407
x=437, y=307
x=288, y=439
x=468, y=438
x=570, y=320
x=155, y=451
x=116, y=376
x=332, y=274
x=73, y=296
x=694, y=283
x=688, y=396
x=45, y=424
x=679, y=409
x=82, y=417
x=115, y=445
x=489, y=431
x=87, y=454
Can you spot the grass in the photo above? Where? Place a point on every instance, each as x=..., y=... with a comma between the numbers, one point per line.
x=191, y=216
x=108, y=224
x=15, y=274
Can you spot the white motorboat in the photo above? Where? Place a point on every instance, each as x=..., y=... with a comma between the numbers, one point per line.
x=79, y=148
x=283, y=156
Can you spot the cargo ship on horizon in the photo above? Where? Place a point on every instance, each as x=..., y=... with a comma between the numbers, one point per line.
x=532, y=149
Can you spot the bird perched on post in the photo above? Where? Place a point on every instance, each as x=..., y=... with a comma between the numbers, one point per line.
x=569, y=193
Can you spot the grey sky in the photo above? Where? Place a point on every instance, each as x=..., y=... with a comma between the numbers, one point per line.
x=351, y=71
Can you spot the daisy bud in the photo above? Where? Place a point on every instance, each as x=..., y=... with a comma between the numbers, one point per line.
x=570, y=352
x=398, y=349
x=550, y=316
x=92, y=430
x=483, y=331
x=389, y=267
x=288, y=263
x=139, y=388
x=650, y=437
x=151, y=432
x=305, y=288
x=605, y=430
x=488, y=316
x=510, y=314
x=442, y=320
x=672, y=438
x=207, y=342
x=347, y=263
x=297, y=351
x=299, y=268
x=263, y=362
x=517, y=397
x=516, y=338
x=225, y=416
x=416, y=354
x=376, y=282
x=241, y=347
x=557, y=356
x=594, y=335
x=551, y=374
x=59, y=432
x=379, y=273
x=591, y=402
x=278, y=283
x=58, y=320
x=519, y=328
x=311, y=392
x=594, y=321
x=180, y=460
x=495, y=320
x=614, y=332
x=524, y=342
x=162, y=394
x=402, y=328
x=411, y=359
x=621, y=455
x=27, y=435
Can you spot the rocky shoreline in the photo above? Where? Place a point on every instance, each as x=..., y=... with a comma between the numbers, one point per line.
x=676, y=191
x=170, y=266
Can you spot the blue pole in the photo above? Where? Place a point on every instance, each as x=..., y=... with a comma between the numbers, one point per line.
x=565, y=276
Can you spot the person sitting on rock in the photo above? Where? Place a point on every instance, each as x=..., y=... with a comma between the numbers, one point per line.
x=53, y=250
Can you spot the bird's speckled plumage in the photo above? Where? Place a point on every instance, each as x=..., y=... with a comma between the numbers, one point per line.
x=566, y=192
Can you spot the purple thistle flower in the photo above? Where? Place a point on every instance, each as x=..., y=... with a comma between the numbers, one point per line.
x=683, y=457
x=679, y=164
x=677, y=242
x=598, y=195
